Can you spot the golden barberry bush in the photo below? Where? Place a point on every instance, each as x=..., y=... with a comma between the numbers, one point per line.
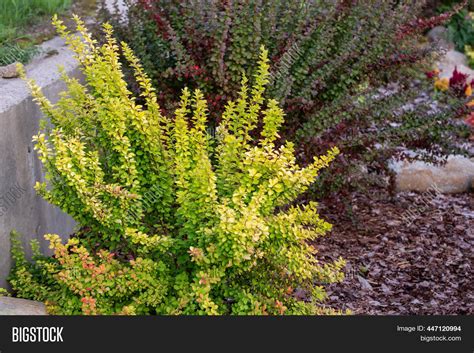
x=173, y=220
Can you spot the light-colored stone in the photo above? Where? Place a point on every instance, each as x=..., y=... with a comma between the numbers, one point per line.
x=454, y=59
x=440, y=36
x=16, y=306
x=118, y=7
x=9, y=71
x=456, y=176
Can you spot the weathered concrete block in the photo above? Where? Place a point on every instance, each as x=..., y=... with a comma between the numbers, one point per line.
x=15, y=306
x=20, y=207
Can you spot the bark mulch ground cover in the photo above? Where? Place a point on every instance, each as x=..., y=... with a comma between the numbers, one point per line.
x=399, y=262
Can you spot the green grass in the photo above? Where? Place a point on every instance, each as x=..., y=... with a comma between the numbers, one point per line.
x=15, y=18
x=19, y=13
x=10, y=53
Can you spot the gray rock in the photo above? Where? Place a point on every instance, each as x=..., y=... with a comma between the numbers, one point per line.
x=439, y=35
x=9, y=71
x=456, y=176
x=16, y=306
x=118, y=7
x=454, y=59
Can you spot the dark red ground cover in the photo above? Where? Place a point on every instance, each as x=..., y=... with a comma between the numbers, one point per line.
x=397, y=267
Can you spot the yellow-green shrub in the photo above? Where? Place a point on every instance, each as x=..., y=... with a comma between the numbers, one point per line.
x=221, y=234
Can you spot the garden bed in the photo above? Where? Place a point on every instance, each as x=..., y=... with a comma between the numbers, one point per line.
x=197, y=206
x=423, y=268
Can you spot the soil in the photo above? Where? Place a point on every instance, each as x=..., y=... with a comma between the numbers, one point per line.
x=398, y=262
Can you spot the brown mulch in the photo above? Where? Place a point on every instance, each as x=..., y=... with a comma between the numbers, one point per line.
x=397, y=267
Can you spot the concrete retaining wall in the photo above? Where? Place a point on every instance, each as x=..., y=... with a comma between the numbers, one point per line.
x=20, y=207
